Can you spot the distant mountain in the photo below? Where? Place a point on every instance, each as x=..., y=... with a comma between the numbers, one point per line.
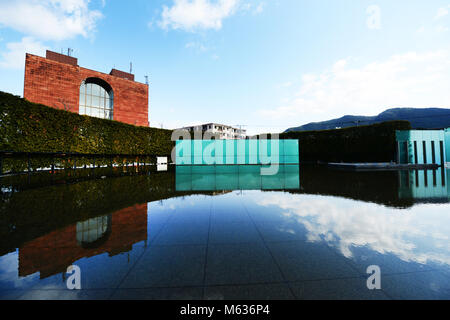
x=427, y=118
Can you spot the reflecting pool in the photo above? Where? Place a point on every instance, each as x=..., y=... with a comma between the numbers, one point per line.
x=225, y=233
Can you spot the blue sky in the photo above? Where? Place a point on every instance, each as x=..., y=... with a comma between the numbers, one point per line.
x=265, y=64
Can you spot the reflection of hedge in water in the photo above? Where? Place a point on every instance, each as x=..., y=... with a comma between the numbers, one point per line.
x=374, y=143
x=32, y=213
x=381, y=187
x=30, y=127
x=41, y=179
x=20, y=164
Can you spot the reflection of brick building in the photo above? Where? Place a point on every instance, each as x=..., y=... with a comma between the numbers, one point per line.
x=57, y=81
x=53, y=253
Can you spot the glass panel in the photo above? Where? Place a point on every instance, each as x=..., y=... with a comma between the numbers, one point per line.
x=96, y=90
x=82, y=99
x=95, y=101
x=88, y=100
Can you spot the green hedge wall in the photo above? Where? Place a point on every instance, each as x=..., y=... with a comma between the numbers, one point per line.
x=373, y=143
x=30, y=127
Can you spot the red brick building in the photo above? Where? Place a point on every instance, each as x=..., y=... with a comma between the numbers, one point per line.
x=53, y=253
x=57, y=81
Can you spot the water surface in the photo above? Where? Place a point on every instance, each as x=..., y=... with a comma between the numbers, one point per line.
x=203, y=233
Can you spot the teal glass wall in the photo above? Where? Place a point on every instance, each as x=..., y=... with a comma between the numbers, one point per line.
x=447, y=144
x=432, y=185
x=422, y=147
x=239, y=177
x=236, y=152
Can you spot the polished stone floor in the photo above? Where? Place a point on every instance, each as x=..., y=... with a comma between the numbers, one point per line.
x=251, y=245
x=304, y=233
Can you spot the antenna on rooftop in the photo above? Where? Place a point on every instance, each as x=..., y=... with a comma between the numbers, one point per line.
x=131, y=67
x=240, y=126
x=146, y=80
x=69, y=52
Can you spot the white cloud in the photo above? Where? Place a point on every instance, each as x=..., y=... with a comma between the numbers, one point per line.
x=14, y=58
x=198, y=46
x=49, y=19
x=285, y=85
x=254, y=8
x=442, y=12
x=259, y=8
x=192, y=15
x=440, y=29
x=346, y=224
x=406, y=80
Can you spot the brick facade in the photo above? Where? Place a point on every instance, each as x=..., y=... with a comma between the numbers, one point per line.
x=55, y=81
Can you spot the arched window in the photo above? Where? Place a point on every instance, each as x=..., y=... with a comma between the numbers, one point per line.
x=94, y=232
x=96, y=98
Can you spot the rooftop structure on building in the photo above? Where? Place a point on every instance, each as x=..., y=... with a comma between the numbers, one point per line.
x=221, y=130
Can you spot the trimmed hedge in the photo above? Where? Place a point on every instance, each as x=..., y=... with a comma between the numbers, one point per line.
x=31, y=127
x=372, y=143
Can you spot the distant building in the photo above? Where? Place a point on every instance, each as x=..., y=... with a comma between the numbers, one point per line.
x=224, y=131
x=59, y=82
x=423, y=146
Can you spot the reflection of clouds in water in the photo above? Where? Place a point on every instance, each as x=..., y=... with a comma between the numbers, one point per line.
x=419, y=234
x=9, y=271
x=171, y=204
